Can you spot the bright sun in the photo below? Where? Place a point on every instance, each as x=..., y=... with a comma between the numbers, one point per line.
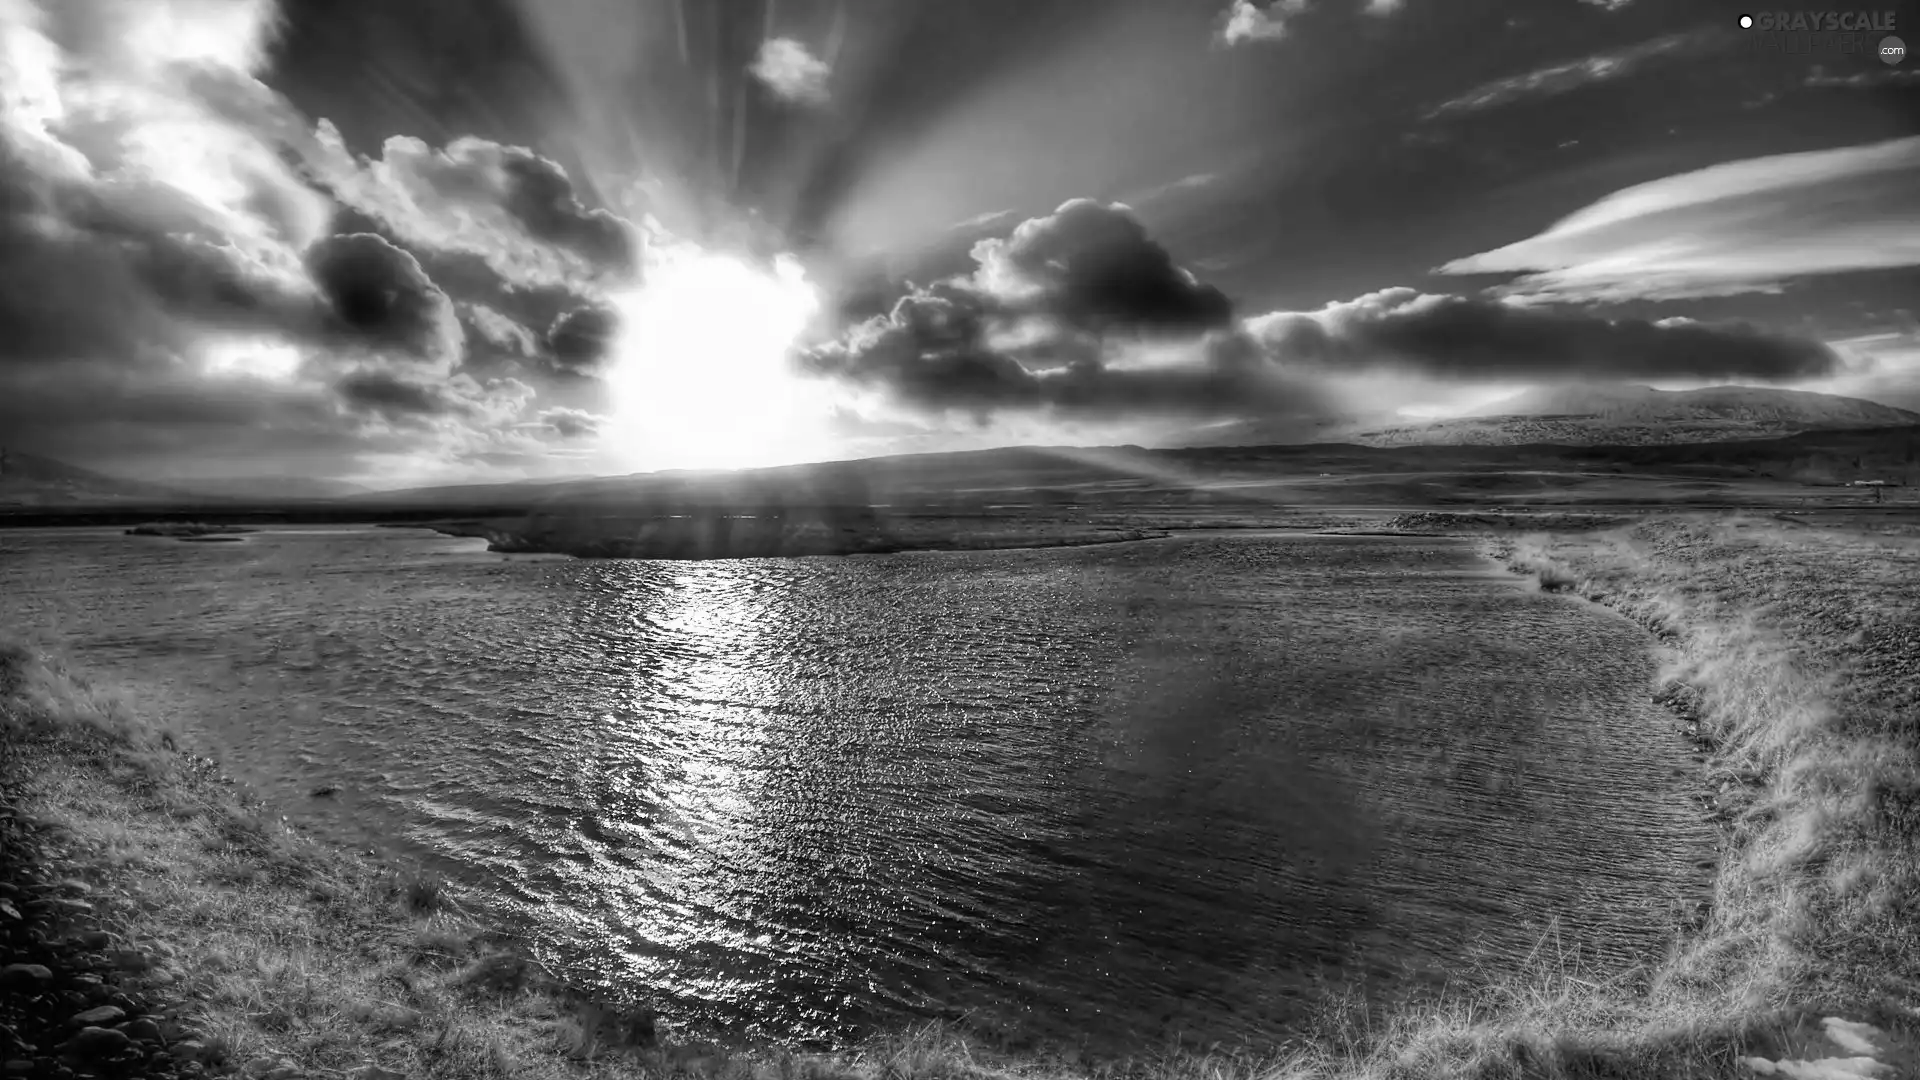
x=701, y=376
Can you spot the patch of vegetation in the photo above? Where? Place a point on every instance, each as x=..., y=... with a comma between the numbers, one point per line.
x=1793, y=654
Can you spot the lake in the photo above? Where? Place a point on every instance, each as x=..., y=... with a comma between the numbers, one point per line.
x=1169, y=790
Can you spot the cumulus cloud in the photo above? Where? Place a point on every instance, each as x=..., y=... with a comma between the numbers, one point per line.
x=580, y=340
x=533, y=323
x=1271, y=20
x=1078, y=312
x=792, y=73
x=517, y=210
x=1034, y=331
x=1093, y=266
x=378, y=294
x=1247, y=21
x=1744, y=226
x=1475, y=338
x=571, y=423
x=173, y=281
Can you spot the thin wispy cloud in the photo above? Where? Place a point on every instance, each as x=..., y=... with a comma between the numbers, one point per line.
x=1745, y=226
x=1571, y=75
x=1192, y=182
x=1861, y=80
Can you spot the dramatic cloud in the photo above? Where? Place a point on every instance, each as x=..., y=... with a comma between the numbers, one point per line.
x=1572, y=75
x=792, y=73
x=397, y=397
x=1465, y=338
x=1094, y=267
x=378, y=294
x=511, y=325
x=506, y=204
x=1031, y=332
x=1079, y=312
x=173, y=283
x=931, y=354
x=1744, y=226
x=580, y=340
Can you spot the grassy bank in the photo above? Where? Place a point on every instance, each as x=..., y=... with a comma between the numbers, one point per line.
x=1792, y=652
x=1793, y=655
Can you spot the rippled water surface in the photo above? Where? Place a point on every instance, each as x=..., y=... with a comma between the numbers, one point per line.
x=1124, y=793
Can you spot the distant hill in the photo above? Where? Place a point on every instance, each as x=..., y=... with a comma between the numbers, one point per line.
x=30, y=480
x=1285, y=432
x=270, y=487
x=1627, y=415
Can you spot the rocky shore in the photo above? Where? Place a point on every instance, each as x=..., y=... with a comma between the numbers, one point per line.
x=76, y=999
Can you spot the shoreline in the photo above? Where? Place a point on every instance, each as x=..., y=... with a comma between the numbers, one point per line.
x=402, y=981
x=701, y=539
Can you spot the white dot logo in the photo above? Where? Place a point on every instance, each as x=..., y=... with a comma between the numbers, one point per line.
x=1746, y=22
x=1892, y=49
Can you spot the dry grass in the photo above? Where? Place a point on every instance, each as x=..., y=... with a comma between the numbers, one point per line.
x=1795, y=653
x=278, y=947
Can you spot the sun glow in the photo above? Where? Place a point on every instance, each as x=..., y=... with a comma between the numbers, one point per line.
x=701, y=376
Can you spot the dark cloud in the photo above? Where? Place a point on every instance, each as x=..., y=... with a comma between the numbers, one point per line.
x=422, y=399
x=380, y=296
x=580, y=340
x=390, y=395
x=1094, y=266
x=936, y=352
x=532, y=330
x=1077, y=312
x=1029, y=331
x=1456, y=337
x=535, y=328
x=1030, y=326
x=541, y=196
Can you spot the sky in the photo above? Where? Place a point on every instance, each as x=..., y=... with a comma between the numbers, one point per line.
x=425, y=241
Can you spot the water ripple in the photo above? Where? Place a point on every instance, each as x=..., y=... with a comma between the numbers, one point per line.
x=1120, y=792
